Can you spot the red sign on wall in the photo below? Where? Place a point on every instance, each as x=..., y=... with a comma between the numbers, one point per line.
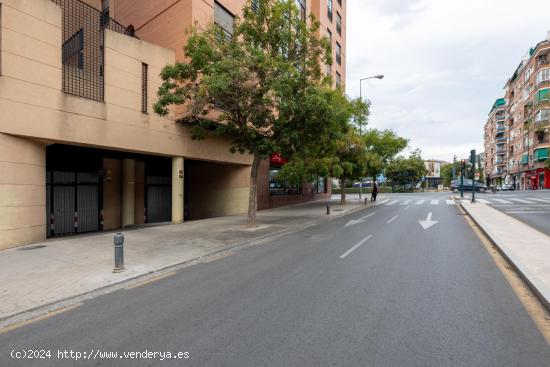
x=277, y=159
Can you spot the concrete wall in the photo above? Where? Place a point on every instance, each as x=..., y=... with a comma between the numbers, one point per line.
x=22, y=191
x=215, y=190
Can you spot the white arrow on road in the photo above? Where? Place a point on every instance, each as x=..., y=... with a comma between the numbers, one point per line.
x=428, y=222
x=357, y=221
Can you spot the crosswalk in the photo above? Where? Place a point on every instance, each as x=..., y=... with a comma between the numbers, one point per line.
x=509, y=201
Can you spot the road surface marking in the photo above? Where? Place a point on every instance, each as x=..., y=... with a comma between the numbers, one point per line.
x=151, y=280
x=434, y=202
x=450, y=202
x=407, y=207
x=391, y=220
x=366, y=216
x=406, y=202
x=502, y=201
x=419, y=202
x=540, y=200
x=355, y=247
x=428, y=222
x=528, y=212
x=392, y=202
x=483, y=201
x=39, y=318
x=522, y=201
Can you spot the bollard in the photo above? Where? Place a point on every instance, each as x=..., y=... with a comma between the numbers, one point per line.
x=365, y=201
x=119, y=253
x=328, y=209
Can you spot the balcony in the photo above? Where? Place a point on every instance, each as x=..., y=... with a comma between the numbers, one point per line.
x=500, y=117
x=542, y=96
x=500, y=140
x=82, y=49
x=500, y=162
x=500, y=128
x=525, y=158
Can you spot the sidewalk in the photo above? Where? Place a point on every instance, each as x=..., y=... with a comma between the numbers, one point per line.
x=65, y=267
x=527, y=249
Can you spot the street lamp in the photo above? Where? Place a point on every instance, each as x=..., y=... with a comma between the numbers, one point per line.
x=379, y=76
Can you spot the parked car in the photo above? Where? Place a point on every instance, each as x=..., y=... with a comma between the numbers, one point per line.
x=468, y=186
x=508, y=187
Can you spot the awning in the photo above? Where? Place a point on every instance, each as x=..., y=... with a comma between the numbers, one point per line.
x=525, y=159
x=541, y=154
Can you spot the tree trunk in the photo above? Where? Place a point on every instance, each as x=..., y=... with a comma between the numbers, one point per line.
x=342, y=190
x=253, y=194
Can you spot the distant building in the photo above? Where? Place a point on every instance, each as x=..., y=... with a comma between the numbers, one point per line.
x=517, y=138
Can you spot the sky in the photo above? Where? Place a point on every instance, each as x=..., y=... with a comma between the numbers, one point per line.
x=445, y=63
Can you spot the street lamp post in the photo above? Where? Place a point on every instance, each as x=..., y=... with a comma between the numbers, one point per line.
x=379, y=76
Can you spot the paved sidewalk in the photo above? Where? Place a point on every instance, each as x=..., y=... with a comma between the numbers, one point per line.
x=525, y=247
x=65, y=267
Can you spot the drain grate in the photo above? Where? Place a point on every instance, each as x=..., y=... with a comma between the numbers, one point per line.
x=28, y=248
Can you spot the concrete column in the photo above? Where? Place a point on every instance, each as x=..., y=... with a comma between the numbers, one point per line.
x=177, y=190
x=22, y=191
x=128, y=191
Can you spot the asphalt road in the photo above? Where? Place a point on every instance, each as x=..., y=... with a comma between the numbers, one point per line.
x=532, y=207
x=382, y=291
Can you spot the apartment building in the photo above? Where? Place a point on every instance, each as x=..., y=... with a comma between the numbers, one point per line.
x=80, y=147
x=164, y=22
x=496, y=137
x=526, y=125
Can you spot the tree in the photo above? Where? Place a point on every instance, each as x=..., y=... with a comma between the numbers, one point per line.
x=547, y=163
x=404, y=171
x=381, y=147
x=261, y=87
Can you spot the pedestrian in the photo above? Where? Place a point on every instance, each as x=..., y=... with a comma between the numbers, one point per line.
x=374, y=192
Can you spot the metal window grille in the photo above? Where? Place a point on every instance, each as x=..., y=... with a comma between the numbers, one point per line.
x=83, y=47
x=144, y=88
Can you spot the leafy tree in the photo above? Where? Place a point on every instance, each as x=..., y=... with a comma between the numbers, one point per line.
x=262, y=87
x=381, y=147
x=547, y=163
x=402, y=171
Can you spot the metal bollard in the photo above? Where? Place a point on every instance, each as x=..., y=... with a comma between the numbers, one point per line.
x=328, y=209
x=365, y=201
x=119, y=253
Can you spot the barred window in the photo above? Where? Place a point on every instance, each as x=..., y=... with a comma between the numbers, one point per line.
x=224, y=19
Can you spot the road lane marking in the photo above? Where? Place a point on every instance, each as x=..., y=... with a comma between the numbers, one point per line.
x=483, y=201
x=540, y=200
x=391, y=220
x=502, y=201
x=151, y=280
x=522, y=201
x=407, y=207
x=450, y=202
x=39, y=318
x=343, y=256
x=434, y=202
x=519, y=212
x=392, y=202
x=366, y=216
x=406, y=202
x=419, y=202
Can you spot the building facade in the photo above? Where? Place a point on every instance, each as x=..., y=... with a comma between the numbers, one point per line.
x=496, y=137
x=80, y=147
x=433, y=177
x=526, y=125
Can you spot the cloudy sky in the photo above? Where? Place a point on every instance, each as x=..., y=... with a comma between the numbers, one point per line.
x=445, y=62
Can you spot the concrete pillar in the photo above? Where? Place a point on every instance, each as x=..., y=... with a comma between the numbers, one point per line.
x=177, y=190
x=128, y=191
x=22, y=191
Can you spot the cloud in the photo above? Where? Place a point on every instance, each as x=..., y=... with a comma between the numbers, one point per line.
x=444, y=63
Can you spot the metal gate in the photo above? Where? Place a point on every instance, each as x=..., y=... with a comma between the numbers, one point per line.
x=158, y=199
x=73, y=202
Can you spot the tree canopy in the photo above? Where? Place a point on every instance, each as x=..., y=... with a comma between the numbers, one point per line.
x=406, y=171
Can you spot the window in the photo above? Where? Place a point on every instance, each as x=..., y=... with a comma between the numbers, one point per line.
x=302, y=7
x=340, y=2
x=338, y=23
x=278, y=186
x=329, y=9
x=543, y=75
x=338, y=80
x=338, y=54
x=72, y=51
x=320, y=186
x=144, y=76
x=224, y=19
x=104, y=17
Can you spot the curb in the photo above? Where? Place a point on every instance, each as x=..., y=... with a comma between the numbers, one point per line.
x=524, y=274
x=40, y=310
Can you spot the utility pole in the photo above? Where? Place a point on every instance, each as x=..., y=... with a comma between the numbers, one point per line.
x=462, y=171
x=361, y=126
x=473, y=161
x=454, y=168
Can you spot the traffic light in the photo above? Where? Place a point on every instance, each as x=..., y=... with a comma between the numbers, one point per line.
x=473, y=157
